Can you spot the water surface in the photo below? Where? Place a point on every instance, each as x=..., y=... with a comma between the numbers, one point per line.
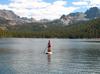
x=70, y=56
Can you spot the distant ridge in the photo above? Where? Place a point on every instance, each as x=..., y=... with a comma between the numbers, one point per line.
x=91, y=13
x=12, y=19
x=8, y=17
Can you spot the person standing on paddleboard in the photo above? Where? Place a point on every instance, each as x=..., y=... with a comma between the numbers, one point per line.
x=49, y=46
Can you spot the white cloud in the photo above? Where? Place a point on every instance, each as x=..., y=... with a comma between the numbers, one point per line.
x=60, y=2
x=38, y=8
x=80, y=3
x=93, y=3
x=87, y=3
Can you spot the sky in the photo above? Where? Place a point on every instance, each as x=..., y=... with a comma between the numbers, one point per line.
x=47, y=9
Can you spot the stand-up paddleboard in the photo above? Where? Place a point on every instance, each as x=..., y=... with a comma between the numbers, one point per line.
x=49, y=48
x=49, y=53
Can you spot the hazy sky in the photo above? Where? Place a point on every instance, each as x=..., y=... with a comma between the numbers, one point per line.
x=47, y=9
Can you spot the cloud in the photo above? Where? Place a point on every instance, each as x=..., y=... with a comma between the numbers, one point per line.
x=60, y=2
x=80, y=3
x=93, y=3
x=87, y=3
x=39, y=9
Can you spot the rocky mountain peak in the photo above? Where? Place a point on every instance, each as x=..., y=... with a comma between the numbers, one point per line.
x=93, y=13
x=8, y=15
x=12, y=19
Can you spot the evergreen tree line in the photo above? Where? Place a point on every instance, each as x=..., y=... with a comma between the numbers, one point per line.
x=90, y=29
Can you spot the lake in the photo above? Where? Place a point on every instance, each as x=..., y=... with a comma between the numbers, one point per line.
x=70, y=56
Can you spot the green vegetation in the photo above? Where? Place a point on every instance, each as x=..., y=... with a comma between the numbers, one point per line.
x=90, y=29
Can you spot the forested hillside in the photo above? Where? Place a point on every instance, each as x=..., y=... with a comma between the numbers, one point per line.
x=90, y=29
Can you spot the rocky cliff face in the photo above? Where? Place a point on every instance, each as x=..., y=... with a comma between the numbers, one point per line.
x=73, y=17
x=12, y=19
x=92, y=13
x=8, y=15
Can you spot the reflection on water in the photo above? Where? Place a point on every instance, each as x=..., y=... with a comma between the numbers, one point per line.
x=49, y=58
x=26, y=56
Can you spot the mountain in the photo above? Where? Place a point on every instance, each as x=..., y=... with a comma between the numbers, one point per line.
x=8, y=17
x=12, y=19
x=28, y=20
x=73, y=18
x=90, y=14
x=93, y=13
x=44, y=20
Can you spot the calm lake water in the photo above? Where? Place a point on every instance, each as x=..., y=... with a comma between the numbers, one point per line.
x=70, y=56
